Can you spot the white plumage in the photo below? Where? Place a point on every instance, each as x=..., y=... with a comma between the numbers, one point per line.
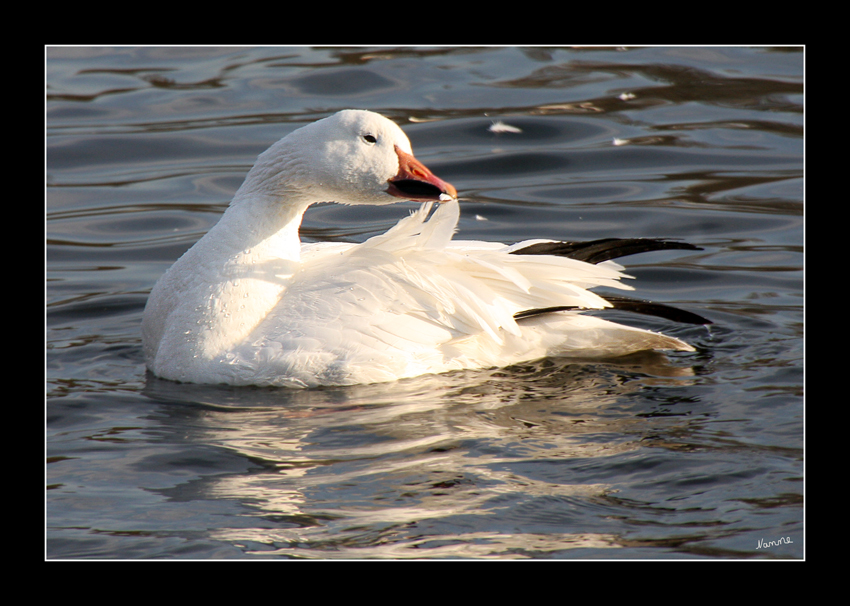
x=249, y=304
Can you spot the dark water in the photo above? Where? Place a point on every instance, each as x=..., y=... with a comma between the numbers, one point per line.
x=652, y=457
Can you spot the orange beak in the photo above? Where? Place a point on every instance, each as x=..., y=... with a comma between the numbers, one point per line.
x=415, y=182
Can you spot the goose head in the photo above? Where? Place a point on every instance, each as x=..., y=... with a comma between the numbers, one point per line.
x=351, y=157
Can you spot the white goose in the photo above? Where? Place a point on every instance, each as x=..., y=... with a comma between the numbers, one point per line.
x=249, y=304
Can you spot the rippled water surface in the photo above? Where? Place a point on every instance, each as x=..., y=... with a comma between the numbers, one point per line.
x=690, y=455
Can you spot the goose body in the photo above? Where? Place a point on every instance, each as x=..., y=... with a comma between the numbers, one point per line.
x=249, y=304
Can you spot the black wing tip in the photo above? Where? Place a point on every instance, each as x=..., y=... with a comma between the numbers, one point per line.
x=539, y=311
x=597, y=251
x=647, y=308
x=656, y=309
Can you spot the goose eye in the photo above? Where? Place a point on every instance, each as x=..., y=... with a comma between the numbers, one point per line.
x=370, y=138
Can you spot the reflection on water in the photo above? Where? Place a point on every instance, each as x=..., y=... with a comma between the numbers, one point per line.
x=443, y=446
x=479, y=545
